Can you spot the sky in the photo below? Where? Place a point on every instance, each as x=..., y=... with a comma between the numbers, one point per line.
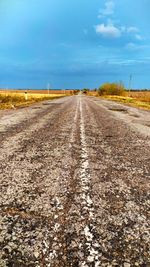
x=74, y=44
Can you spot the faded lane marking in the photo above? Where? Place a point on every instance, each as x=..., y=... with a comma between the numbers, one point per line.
x=90, y=256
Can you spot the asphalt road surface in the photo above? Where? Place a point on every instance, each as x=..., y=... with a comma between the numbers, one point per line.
x=74, y=176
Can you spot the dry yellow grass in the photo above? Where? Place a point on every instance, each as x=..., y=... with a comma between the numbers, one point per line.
x=14, y=99
x=143, y=96
x=138, y=101
x=92, y=93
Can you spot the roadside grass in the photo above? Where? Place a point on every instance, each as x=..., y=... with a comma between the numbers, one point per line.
x=92, y=93
x=136, y=101
x=143, y=96
x=17, y=99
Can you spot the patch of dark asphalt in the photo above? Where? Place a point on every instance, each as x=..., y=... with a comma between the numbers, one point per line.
x=118, y=109
x=48, y=104
x=36, y=107
x=135, y=115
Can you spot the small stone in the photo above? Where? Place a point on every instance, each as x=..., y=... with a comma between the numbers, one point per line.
x=36, y=254
x=90, y=259
x=126, y=264
x=73, y=244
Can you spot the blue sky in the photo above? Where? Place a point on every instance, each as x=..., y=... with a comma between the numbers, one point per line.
x=74, y=44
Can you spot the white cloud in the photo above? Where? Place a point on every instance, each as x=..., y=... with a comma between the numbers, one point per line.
x=108, y=10
x=134, y=47
x=108, y=30
x=132, y=29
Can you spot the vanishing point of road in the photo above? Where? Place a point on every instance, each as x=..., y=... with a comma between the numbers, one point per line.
x=74, y=184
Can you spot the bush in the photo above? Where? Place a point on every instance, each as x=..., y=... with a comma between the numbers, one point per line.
x=111, y=89
x=11, y=98
x=85, y=91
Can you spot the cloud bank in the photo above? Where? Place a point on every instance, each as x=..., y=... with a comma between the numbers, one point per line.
x=108, y=30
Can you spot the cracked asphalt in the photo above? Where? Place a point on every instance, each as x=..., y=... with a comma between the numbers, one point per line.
x=74, y=176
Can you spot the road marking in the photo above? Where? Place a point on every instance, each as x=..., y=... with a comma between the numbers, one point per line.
x=88, y=247
x=87, y=207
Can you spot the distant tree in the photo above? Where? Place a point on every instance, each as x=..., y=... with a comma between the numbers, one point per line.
x=111, y=89
x=85, y=90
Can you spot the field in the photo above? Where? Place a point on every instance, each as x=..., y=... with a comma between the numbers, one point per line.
x=20, y=98
x=143, y=96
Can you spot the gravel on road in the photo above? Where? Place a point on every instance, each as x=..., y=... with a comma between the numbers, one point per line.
x=74, y=176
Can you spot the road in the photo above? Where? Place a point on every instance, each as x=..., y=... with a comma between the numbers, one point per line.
x=74, y=175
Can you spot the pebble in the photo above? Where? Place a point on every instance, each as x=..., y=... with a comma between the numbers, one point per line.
x=90, y=258
x=36, y=254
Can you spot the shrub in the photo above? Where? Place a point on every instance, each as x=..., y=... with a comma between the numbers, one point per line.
x=85, y=91
x=111, y=89
x=10, y=99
